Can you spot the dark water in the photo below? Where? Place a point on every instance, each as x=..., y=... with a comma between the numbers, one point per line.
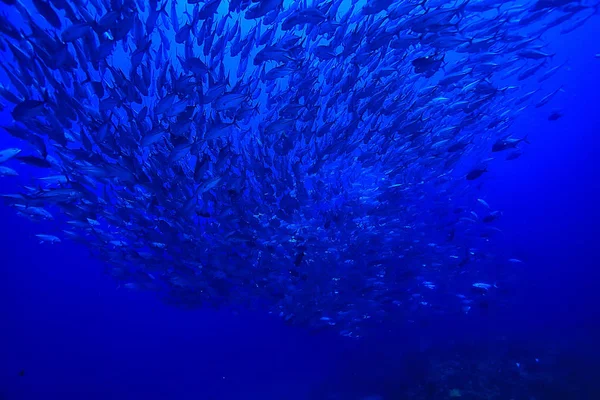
x=67, y=331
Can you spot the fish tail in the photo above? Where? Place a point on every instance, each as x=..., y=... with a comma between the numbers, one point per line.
x=234, y=122
x=46, y=96
x=163, y=8
x=26, y=36
x=88, y=78
x=462, y=7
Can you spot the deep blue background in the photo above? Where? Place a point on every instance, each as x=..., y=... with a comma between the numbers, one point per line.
x=77, y=336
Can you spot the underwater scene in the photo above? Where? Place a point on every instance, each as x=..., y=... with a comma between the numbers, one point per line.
x=300, y=199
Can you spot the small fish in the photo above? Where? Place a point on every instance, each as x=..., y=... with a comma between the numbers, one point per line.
x=179, y=152
x=491, y=217
x=230, y=101
x=153, y=137
x=7, y=154
x=36, y=213
x=5, y=171
x=507, y=143
x=483, y=286
x=484, y=203
x=28, y=109
x=534, y=54
x=46, y=10
x=554, y=115
x=513, y=155
x=35, y=161
x=54, y=179
x=515, y=261
x=548, y=97
x=75, y=31
x=209, y=184
x=48, y=239
x=475, y=173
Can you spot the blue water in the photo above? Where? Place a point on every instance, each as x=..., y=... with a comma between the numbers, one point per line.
x=75, y=334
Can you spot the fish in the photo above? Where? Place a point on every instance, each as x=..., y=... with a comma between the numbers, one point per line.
x=179, y=152
x=484, y=203
x=229, y=101
x=483, y=286
x=34, y=213
x=475, y=173
x=513, y=155
x=546, y=99
x=6, y=171
x=47, y=11
x=47, y=239
x=491, y=217
x=224, y=154
x=75, y=32
x=534, y=54
x=507, y=143
x=35, y=161
x=554, y=115
x=7, y=154
x=28, y=109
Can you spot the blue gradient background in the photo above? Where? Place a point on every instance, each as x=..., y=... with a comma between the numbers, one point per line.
x=77, y=336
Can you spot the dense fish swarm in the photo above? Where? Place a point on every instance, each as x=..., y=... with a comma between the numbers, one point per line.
x=305, y=158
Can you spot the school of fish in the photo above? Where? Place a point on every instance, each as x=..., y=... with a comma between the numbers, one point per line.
x=314, y=159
